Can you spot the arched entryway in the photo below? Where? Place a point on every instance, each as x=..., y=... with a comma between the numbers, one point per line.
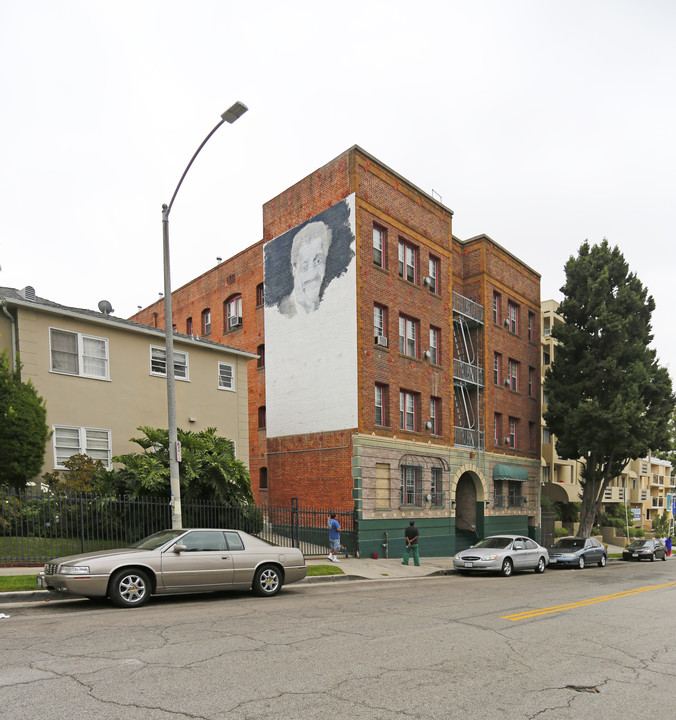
x=468, y=511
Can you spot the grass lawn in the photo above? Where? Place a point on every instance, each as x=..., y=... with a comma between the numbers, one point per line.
x=34, y=549
x=14, y=583
x=316, y=570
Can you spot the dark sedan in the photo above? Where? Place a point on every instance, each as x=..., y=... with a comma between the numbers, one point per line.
x=578, y=552
x=645, y=550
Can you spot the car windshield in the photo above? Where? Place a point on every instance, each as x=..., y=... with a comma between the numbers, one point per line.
x=494, y=542
x=152, y=542
x=573, y=543
x=639, y=543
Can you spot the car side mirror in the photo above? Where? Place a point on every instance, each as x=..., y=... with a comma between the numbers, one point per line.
x=179, y=548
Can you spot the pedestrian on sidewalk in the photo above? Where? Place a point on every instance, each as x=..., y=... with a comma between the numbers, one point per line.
x=411, y=535
x=334, y=538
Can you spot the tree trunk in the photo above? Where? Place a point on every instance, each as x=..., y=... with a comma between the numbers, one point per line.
x=590, y=493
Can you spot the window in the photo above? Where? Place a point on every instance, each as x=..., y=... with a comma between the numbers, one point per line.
x=546, y=436
x=531, y=382
x=379, y=244
x=513, y=375
x=546, y=358
x=497, y=363
x=226, y=376
x=546, y=475
x=383, y=499
x=435, y=353
x=260, y=295
x=435, y=415
x=261, y=416
x=69, y=441
x=233, y=313
x=513, y=423
x=497, y=429
x=496, y=307
x=206, y=322
x=411, y=491
x=260, y=351
x=158, y=363
x=436, y=479
x=380, y=324
x=408, y=261
x=434, y=275
x=263, y=478
x=531, y=326
x=513, y=316
x=73, y=353
x=381, y=404
x=188, y=326
x=204, y=541
x=409, y=409
x=408, y=336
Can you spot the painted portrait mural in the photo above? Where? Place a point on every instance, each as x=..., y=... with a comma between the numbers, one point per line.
x=311, y=325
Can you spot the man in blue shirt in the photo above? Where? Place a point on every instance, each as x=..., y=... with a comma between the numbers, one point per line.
x=334, y=538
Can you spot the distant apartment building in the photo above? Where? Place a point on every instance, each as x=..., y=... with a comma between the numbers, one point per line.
x=645, y=485
x=102, y=377
x=398, y=366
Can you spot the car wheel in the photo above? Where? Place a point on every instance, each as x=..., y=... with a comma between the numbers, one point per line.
x=602, y=561
x=267, y=581
x=664, y=557
x=129, y=588
x=580, y=562
x=652, y=557
x=540, y=567
x=507, y=567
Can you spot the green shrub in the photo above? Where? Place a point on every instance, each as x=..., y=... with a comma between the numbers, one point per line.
x=560, y=532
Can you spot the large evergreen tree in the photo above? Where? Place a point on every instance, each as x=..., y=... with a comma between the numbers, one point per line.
x=609, y=400
x=23, y=427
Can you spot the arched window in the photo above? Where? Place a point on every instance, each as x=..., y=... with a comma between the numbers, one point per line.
x=206, y=321
x=232, y=314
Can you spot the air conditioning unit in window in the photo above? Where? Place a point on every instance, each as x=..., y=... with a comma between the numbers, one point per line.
x=380, y=340
x=428, y=425
x=507, y=441
x=234, y=322
x=506, y=322
x=506, y=382
x=427, y=354
x=428, y=280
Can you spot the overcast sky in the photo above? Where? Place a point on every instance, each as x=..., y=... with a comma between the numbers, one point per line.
x=539, y=123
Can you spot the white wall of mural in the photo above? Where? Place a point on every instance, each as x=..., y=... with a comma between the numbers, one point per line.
x=311, y=325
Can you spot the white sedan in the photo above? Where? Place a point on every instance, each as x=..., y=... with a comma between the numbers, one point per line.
x=503, y=554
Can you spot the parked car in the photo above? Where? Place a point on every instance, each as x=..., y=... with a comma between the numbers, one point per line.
x=176, y=561
x=578, y=552
x=640, y=549
x=503, y=554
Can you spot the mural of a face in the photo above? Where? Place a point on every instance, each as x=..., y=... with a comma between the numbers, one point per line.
x=308, y=264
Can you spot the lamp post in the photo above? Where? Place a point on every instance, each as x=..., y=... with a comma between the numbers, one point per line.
x=229, y=116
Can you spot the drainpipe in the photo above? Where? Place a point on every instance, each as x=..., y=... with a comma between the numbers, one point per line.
x=13, y=323
x=386, y=545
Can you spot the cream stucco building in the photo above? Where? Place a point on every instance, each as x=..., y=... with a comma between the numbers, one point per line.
x=102, y=377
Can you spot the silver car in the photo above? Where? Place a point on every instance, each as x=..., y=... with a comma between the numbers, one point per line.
x=176, y=561
x=503, y=554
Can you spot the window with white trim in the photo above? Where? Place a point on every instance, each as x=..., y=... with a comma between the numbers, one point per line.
x=206, y=321
x=435, y=415
x=408, y=336
x=497, y=301
x=411, y=485
x=158, y=363
x=379, y=246
x=379, y=321
x=381, y=404
x=513, y=375
x=226, y=376
x=74, y=353
x=434, y=275
x=436, y=483
x=513, y=425
x=409, y=409
x=497, y=360
x=408, y=261
x=435, y=354
x=69, y=440
x=233, y=313
x=513, y=316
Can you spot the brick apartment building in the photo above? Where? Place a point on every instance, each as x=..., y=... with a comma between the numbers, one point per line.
x=399, y=368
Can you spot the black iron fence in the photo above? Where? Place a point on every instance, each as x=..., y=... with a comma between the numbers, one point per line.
x=37, y=527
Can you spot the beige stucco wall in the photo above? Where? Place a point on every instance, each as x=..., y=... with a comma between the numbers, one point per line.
x=132, y=396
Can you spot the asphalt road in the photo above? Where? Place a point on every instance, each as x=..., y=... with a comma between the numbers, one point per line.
x=441, y=647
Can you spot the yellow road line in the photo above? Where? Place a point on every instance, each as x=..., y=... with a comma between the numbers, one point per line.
x=582, y=603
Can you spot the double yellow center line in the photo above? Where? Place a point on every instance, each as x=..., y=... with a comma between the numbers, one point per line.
x=582, y=603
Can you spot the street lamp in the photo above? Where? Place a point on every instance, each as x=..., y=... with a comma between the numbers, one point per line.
x=229, y=116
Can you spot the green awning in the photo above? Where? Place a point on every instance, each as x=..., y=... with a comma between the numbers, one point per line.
x=510, y=472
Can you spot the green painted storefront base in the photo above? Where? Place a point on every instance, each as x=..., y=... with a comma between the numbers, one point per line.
x=438, y=536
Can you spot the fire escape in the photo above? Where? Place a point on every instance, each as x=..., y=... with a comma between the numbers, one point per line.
x=468, y=374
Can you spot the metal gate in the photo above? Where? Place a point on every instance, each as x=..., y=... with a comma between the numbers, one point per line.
x=547, y=528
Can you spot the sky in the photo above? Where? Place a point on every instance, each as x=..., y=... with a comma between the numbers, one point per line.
x=542, y=123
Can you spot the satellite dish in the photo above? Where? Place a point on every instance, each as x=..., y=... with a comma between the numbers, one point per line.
x=105, y=307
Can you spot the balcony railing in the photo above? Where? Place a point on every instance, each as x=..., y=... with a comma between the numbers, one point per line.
x=468, y=308
x=614, y=494
x=468, y=373
x=467, y=437
x=420, y=499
